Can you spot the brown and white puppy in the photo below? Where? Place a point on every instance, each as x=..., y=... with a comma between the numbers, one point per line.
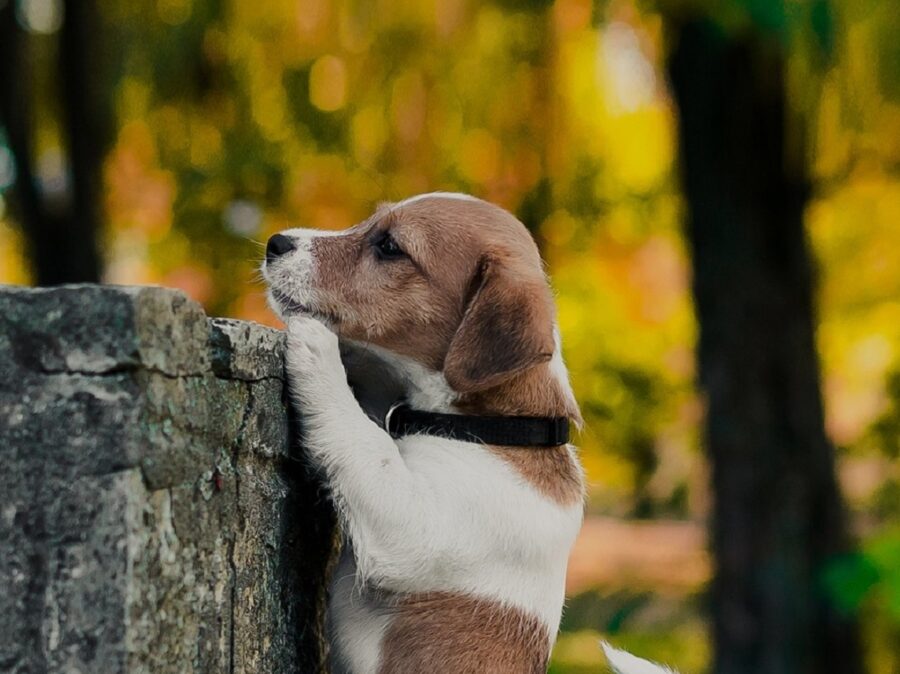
x=455, y=553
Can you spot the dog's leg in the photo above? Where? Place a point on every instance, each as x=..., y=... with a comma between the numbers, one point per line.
x=383, y=507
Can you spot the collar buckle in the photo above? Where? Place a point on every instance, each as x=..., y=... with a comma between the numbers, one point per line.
x=388, y=416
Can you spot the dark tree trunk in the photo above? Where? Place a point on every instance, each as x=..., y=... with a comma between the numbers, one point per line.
x=87, y=124
x=61, y=230
x=16, y=114
x=778, y=516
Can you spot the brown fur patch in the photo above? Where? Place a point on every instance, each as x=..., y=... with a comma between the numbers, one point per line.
x=553, y=471
x=444, y=632
x=507, y=327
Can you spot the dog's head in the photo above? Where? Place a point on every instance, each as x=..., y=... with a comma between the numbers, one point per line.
x=448, y=280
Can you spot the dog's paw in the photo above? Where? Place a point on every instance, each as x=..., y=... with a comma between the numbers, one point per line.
x=313, y=357
x=310, y=343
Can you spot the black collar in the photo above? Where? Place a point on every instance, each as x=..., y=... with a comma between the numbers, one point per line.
x=401, y=421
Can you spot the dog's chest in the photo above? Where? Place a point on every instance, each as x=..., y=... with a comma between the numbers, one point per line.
x=494, y=556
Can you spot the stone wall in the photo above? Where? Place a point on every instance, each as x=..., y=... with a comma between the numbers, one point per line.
x=153, y=514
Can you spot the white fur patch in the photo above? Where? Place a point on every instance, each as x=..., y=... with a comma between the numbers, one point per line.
x=623, y=662
x=290, y=277
x=304, y=233
x=492, y=534
x=459, y=196
x=558, y=368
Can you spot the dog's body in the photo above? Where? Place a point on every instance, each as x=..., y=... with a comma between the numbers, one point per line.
x=455, y=552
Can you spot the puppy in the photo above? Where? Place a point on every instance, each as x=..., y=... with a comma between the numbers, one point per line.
x=455, y=551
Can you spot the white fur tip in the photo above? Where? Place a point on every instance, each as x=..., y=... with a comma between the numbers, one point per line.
x=625, y=663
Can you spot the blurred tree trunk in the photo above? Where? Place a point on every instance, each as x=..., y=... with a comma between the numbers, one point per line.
x=61, y=228
x=537, y=204
x=778, y=516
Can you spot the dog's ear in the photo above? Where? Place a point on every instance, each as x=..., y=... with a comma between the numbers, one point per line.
x=507, y=327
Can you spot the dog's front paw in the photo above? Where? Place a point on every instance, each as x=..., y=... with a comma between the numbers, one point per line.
x=313, y=359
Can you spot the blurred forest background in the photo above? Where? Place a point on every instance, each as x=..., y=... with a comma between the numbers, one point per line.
x=705, y=178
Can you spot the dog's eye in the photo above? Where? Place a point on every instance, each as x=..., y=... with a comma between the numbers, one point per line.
x=387, y=249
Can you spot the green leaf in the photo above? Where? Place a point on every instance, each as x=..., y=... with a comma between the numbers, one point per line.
x=767, y=14
x=849, y=579
x=821, y=19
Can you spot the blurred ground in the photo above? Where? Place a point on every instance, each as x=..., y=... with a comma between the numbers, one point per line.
x=668, y=557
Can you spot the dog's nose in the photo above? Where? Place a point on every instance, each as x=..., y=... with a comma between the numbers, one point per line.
x=278, y=245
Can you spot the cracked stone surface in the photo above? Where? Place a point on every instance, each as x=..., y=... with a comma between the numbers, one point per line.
x=154, y=515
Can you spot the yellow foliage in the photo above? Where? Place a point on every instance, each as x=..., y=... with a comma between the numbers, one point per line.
x=12, y=253
x=328, y=83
